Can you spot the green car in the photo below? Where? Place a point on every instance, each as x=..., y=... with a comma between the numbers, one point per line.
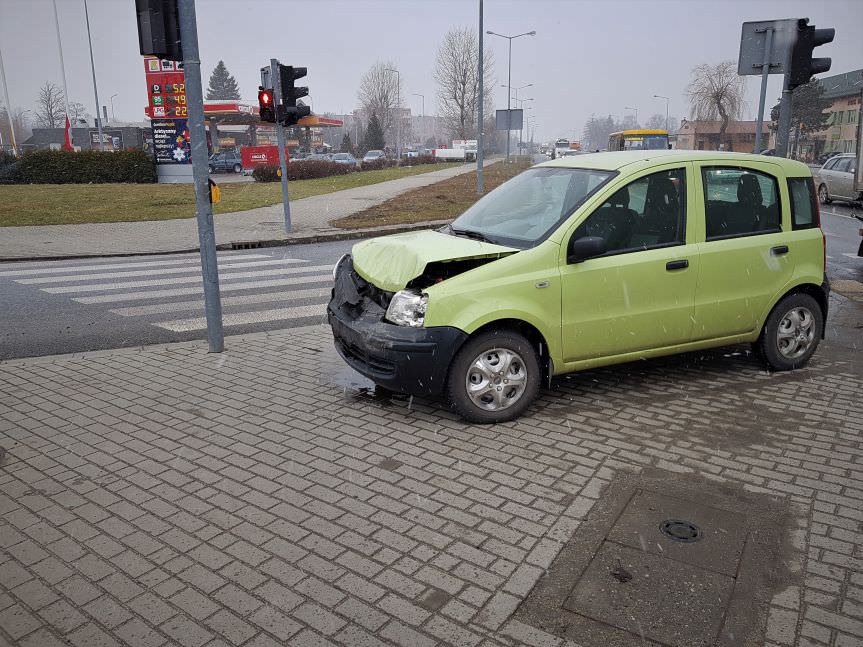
x=584, y=262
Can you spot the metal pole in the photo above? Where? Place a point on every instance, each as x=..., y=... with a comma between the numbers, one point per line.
x=784, y=119
x=8, y=107
x=113, y=116
x=63, y=70
x=203, y=208
x=765, y=72
x=93, y=70
x=479, y=143
x=280, y=141
x=508, y=97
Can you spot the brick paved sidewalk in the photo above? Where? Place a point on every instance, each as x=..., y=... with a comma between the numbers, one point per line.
x=167, y=496
x=310, y=219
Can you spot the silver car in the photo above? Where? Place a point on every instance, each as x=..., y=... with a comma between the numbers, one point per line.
x=835, y=180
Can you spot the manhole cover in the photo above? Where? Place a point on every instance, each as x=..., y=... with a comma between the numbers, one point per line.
x=678, y=530
x=704, y=580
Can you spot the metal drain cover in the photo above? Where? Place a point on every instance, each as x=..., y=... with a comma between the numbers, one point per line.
x=680, y=530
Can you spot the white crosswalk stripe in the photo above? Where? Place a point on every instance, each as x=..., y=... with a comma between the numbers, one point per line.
x=256, y=288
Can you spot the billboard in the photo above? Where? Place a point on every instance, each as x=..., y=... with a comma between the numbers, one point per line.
x=166, y=92
x=514, y=122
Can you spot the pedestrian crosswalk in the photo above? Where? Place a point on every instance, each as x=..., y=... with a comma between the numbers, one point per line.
x=166, y=292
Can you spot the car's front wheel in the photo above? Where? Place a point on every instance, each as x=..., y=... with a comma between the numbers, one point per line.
x=494, y=377
x=237, y=168
x=791, y=332
x=211, y=168
x=823, y=196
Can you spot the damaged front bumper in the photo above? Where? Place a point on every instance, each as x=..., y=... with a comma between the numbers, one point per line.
x=406, y=360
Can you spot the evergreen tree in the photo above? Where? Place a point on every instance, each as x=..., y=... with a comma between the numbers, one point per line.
x=222, y=84
x=347, y=146
x=374, y=134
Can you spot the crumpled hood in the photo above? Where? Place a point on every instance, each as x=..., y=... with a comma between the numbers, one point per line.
x=390, y=262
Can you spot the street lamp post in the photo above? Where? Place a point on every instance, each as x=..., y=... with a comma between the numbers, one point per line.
x=520, y=104
x=423, y=97
x=659, y=96
x=509, y=78
x=398, y=116
x=636, y=114
x=113, y=118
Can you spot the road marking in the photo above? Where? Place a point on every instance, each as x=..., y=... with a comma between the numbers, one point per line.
x=119, y=266
x=197, y=304
x=227, y=276
x=245, y=318
x=198, y=290
x=167, y=270
x=850, y=255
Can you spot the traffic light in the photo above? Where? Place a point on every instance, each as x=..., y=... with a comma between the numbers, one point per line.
x=802, y=66
x=293, y=110
x=265, y=104
x=159, y=29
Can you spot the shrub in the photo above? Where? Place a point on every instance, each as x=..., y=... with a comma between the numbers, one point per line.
x=85, y=167
x=302, y=171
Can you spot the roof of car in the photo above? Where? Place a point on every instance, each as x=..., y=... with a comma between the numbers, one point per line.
x=615, y=161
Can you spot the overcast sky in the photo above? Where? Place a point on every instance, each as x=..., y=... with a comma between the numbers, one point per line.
x=587, y=57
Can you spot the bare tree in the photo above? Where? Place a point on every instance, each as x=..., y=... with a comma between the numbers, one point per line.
x=457, y=77
x=78, y=113
x=656, y=121
x=716, y=92
x=380, y=93
x=51, y=109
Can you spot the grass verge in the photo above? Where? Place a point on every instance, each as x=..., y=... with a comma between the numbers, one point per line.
x=441, y=201
x=70, y=204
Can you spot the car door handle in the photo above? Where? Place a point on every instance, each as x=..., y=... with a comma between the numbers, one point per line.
x=676, y=265
x=781, y=249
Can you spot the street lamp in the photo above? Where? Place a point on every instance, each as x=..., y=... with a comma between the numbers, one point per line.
x=113, y=118
x=636, y=114
x=509, y=77
x=417, y=94
x=398, y=116
x=659, y=96
x=520, y=103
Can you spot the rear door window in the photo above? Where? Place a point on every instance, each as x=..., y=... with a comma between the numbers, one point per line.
x=740, y=202
x=803, y=206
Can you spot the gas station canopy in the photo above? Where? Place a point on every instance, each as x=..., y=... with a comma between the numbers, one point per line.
x=239, y=113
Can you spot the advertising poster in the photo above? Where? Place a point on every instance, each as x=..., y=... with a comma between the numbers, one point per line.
x=171, y=141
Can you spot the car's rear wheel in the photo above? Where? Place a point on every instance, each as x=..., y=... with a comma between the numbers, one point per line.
x=494, y=377
x=823, y=195
x=211, y=168
x=791, y=332
x=237, y=168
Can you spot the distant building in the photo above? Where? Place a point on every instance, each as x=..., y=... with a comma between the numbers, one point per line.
x=118, y=137
x=703, y=135
x=840, y=135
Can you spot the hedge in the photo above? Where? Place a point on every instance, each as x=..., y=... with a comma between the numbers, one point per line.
x=302, y=171
x=374, y=165
x=85, y=167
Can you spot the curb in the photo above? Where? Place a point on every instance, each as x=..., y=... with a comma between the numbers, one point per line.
x=299, y=239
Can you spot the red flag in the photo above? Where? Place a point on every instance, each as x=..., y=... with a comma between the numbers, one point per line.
x=67, y=136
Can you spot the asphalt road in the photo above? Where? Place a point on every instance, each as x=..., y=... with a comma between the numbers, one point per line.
x=54, y=307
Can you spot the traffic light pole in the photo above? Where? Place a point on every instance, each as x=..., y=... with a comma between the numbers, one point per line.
x=280, y=140
x=203, y=208
x=784, y=126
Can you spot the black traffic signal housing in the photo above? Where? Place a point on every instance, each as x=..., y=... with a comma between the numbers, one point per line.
x=266, y=100
x=802, y=66
x=159, y=29
x=293, y=110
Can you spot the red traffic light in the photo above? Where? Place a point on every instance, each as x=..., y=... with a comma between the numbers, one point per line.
x=266, y=104
x=265, y=97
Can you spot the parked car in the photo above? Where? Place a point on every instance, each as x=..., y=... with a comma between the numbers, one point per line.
x=835, y=180
x=584, y=262
x=319, y=157
x=345, y=158
x=374, y=155
x=226, y=161
x=822, y=159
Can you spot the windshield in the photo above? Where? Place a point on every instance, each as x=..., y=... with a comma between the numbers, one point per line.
x=525, y=210
x=646, y=142
x=341, y=156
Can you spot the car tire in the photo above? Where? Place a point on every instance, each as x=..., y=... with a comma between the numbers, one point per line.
x=823, y=195
x=791, y=333
x=211, y=169
x=503, y=368
x=238, y=168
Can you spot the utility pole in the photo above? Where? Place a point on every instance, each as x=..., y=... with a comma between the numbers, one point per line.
x=479, y=138
x=63, y=69
x=8, y=107
x=203, y=208
x=93, y=69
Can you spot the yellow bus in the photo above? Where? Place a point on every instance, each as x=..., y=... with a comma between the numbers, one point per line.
x=635, y=140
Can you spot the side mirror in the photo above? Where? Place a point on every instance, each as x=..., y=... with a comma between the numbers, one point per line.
x=581, y=249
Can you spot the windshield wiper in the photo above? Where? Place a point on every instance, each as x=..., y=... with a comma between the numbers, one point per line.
x=470, y=233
